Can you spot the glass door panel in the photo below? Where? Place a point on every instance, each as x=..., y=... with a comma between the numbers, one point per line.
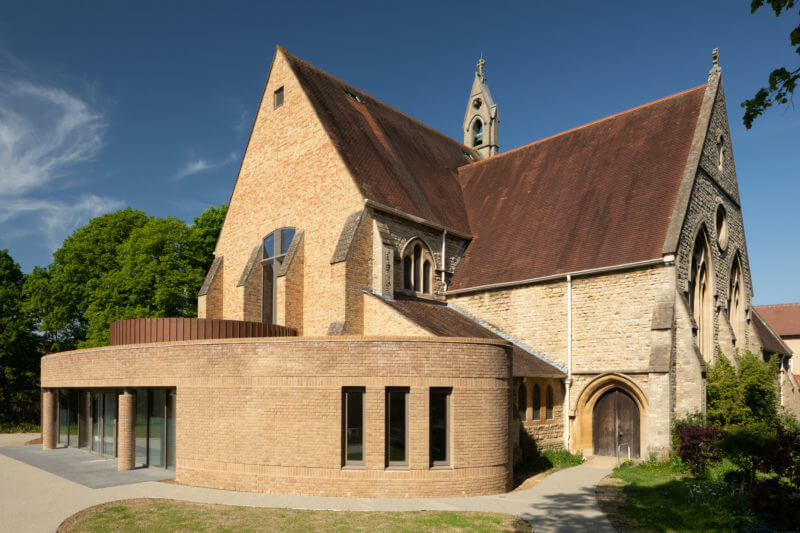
x=96, y=415
x=109, y=423
x=171, y=430
x=72, y=416
x=141, y=427
x=156, y=433
x=63, y=417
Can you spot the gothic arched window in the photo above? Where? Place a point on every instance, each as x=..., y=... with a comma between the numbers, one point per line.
x=536, y=402
x=276, y=244
x=736, y=303
x=417, y=268
x=720, y=152
x=477, y=132
x=701, y=295
x=548, y=403
x=522, y=400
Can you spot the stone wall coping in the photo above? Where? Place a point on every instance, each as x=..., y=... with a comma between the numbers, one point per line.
x=293, y=340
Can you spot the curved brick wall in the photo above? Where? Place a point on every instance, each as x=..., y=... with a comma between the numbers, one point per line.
x=265, y=414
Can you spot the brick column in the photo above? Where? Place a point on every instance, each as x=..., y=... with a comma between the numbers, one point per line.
x=49, y=418
x=84, y=419
x=126, y=431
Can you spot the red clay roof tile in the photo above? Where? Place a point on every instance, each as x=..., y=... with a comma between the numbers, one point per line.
x=770, y=341
x=784, y=319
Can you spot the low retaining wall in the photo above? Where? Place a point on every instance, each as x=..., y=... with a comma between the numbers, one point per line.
x=265, y=415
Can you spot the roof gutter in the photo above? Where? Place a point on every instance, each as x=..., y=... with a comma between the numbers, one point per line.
x=413, y=218
x=665, y=260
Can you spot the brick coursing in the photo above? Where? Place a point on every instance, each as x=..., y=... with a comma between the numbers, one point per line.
x=265, y=415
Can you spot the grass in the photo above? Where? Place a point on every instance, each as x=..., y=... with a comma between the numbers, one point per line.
x=25, y=427
x=660, y=496
x=169, y=515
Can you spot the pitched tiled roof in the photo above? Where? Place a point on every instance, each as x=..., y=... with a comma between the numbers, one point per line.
x=394, y=159
x=444, y=321
x=599, y=195
x=770, y=341
x=784, y=319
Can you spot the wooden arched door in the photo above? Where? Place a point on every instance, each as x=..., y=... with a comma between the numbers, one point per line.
x=615, y=421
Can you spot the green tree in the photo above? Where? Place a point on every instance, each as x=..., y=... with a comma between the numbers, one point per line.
x=19, y=348
x=743, y=396
x=59, y=294
x=782, y=81
x=207, y=227
x=159, y=270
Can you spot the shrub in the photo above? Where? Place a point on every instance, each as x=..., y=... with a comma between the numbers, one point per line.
x=698, y=446
x=738, y=397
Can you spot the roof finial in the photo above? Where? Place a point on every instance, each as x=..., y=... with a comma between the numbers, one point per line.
x=481, y=63
x=715, y=60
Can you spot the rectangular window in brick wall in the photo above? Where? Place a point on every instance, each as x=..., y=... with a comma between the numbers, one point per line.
x=396, y=426
x=278, y=100
x=353, y=426
x=439, y=424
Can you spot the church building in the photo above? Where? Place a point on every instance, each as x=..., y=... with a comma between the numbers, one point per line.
x=391, y=312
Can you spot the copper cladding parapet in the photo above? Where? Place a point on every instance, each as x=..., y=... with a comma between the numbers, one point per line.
x=148, y=330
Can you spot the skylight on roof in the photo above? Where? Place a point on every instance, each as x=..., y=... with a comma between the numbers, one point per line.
x=352, y=96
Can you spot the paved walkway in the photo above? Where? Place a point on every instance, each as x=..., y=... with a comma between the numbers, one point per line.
x=32, y=499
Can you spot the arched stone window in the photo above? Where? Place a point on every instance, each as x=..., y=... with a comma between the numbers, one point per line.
x=701, y=295
x=276, y=244
x=417, y=268
x=537, y=403
x=549, y=403
x=477, y=132
x=522, y=400
x=736, y=303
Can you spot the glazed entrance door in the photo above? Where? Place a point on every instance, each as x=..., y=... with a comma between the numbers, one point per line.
x=615, y=421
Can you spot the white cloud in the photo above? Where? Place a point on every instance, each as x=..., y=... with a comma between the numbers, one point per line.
x=203, y=165
x=44, y=133
x=58, y=218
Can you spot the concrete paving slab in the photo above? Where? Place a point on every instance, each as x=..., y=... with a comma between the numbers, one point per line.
x=81, y=467
x=17, y=439
x=32, y=499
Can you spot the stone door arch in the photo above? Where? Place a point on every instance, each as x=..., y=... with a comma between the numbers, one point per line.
x=634, y=404
x=615, y=424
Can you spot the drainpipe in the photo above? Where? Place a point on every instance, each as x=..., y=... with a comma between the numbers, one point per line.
x=444, y=255
x=568, y=382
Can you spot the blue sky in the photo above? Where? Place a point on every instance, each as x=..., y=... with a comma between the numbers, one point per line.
x=105, y=105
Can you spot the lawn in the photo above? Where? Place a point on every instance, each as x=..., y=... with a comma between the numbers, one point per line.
x=659, y=496
x=539, y=464
x=169, y=515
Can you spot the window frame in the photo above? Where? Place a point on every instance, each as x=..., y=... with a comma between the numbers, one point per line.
x=278, y=97
x=447, y=392
x=275, y=261
x=352, y=463
x=416, y=281
x=549, y=403
x=389, y=463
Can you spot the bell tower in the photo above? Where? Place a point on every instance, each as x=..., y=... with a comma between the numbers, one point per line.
x=481, y=118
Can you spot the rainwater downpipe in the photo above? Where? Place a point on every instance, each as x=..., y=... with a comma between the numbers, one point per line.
x=444, y=262
x=568, y=382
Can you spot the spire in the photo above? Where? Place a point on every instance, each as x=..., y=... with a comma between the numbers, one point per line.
x=480, y=120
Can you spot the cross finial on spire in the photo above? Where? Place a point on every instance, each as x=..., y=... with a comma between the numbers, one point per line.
x=481, y=63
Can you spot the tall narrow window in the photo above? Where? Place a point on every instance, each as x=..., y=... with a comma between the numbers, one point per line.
x=353, y=426
x=536, y=401
x=736, y=303
x=439, y=427
x=396, y=426
x=548, y=403
x=276, y=245
x=701, y=295
x=522, y=401
x=278, y=98
x=417, y=268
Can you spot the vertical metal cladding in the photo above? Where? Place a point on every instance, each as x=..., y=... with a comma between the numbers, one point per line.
x=149, y=330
